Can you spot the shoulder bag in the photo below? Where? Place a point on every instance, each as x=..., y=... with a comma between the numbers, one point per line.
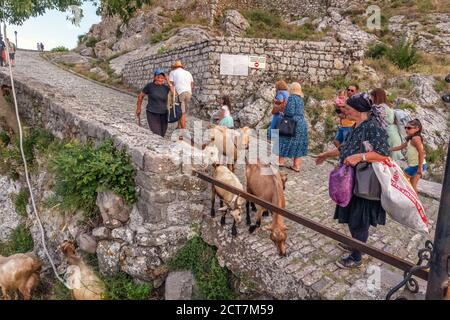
x=366, y=185
x=174, y=111
x=286, y=126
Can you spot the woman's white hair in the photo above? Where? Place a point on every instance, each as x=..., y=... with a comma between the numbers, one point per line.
x=227, y=110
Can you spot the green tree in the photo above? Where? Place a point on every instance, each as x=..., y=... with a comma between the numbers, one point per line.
x=17, y=11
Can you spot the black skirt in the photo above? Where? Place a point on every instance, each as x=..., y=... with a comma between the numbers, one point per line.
x=361, y=213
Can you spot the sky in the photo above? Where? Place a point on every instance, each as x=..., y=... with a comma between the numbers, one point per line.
x=53, y=29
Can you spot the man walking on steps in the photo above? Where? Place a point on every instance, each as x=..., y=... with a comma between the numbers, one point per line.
x=183, y=82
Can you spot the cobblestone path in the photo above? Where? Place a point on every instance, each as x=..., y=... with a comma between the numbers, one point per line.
x=311, y=256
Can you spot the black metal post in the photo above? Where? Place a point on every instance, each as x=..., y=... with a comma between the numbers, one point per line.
x=15, y=33
x=439, y=266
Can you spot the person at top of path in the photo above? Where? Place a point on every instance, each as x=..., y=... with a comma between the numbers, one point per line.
x=281, y=97
x=360, y=213
x=12, y=51
x=415, y=152
x=183, y=82
x=157, y=92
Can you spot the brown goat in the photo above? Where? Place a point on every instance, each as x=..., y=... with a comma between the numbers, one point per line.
x=19, y=272
x=268, y=184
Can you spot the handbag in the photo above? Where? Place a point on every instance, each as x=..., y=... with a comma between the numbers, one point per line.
x=367, y=185
x=340, y=185
x=175, y=112
x=286, y=126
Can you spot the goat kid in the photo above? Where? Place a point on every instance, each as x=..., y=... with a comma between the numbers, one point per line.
x=233, y=203
x=19, y=272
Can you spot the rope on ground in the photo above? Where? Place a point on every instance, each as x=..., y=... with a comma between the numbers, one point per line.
x=41, y=228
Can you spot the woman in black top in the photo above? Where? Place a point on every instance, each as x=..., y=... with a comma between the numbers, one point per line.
x=360, y=213
x=157, y=93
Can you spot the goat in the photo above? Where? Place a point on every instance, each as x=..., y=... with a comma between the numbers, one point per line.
x=268, y=184
x=85, y=284
x=7, y=113
x=19, y=272
x=233, y=202
x=229, y=142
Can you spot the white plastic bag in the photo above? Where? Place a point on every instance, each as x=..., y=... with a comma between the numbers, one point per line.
x=398, y=197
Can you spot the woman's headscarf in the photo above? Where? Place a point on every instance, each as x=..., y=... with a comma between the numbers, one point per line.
x=362, y=102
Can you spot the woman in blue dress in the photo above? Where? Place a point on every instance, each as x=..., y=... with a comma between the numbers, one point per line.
x=297, y=146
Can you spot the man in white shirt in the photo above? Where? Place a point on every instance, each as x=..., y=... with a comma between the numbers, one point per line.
x=183, y=82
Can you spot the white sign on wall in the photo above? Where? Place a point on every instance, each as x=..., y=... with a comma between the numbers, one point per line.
x=234, y=65
x=257, y=62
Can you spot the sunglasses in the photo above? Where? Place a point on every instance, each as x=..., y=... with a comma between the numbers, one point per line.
x=350, y=90
x=409, y=128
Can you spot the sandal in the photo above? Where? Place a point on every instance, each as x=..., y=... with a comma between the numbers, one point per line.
x=294, y=169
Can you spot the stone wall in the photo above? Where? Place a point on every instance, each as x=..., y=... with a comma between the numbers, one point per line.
x=170, y=203
x=288, y=9
x=291, y=60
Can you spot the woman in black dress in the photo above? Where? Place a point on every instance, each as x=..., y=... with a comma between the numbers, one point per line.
x=360, y=213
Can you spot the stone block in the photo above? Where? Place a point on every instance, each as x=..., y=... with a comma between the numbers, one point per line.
x=179, y=285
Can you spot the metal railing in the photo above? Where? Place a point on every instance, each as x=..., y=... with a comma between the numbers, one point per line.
x=320, y=228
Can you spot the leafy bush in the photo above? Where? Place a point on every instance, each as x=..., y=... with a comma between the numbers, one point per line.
x=91, y=42
x=122, y=287
x=403, y=54
x=178, y=17
x=377, y=51
x=159, y=36
x=20, y=241
x=319, y=92
x=435, y=156
x=4, y=138
x=82, y=171
x=440, y=85
x=264, y=24
x=38, y=139
x=60, y=49
x=21, y=202
x=200, y=258
x=339, y=83
x=161, y=50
